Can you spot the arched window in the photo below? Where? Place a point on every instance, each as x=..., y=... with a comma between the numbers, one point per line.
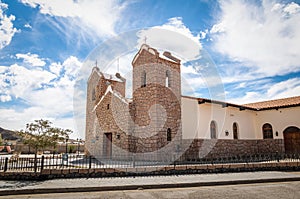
x=144, y=79
x=107, y=106
x=267, y=131
x=168, y=79
x=235, y=131
x=169, y=134
x=93, y=94
x=213, y=130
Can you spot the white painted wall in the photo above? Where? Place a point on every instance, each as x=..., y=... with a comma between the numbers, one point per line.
x=224, y=118
x=279, y=119
x=209, y=112
x=189, y=117
x=196, y=120
x=245, y=122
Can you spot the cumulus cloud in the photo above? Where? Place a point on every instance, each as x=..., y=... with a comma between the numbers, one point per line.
x=268, y=90
x=92, y=17
x=44, y=93
x=7, y=29
x=31, y=59
x=263, y=36
x=175, y=37
x=198, y=71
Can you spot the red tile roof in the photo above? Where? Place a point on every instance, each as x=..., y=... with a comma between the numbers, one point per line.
x=278, y=103
x=257, y=106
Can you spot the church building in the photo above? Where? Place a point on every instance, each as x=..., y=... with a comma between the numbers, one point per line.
x=158, y=119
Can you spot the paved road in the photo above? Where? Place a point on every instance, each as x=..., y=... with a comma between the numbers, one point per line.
x=286, y=190
x=107, y=187
x=113, y=182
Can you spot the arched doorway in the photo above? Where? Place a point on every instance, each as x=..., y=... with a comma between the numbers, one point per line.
x=213, y=130
x=292, y=140
x=235, y=131
x=267, y=131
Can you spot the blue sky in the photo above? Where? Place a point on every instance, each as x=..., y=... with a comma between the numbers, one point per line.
x=254, y=46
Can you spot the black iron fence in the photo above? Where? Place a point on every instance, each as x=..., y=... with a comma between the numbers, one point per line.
x=275, y=157
x=75, y=161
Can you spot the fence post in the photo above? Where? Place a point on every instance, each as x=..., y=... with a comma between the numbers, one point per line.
x=174, y=159
x=90, y=162
x=5, y=164
x=133, y=160
x=42, y=163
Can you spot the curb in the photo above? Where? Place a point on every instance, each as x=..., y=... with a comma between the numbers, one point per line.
x=135, y=187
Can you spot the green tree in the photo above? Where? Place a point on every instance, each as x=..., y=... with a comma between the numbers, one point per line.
x=40, y=134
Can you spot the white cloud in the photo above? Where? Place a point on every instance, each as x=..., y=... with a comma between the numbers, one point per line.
x=55, y=68
x=268, y=91
x=21, y=81
x=7, y=29
x=203, y=34
x=46, y=94
x=31, y=59
x=5, y=98
x=27, y=25
x=15, y=120
x=288, y=88
x=173, y=36
x=265, y=35
x=93, y=17
x=71, y=66
x=292, y=8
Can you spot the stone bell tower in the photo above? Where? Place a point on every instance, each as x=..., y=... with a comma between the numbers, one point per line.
x=156, y=102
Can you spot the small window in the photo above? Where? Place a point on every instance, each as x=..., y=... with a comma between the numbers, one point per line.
x=93, y=94
x=267, y=131
x=168, y=78
x=235, y=131
x=144, y=79
x=107, y=106
x=169, y=134
x=213, y=130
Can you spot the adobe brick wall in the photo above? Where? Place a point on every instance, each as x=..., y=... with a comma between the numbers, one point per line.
x=206, y=148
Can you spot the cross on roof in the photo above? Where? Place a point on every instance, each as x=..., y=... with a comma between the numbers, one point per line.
x=145, y=40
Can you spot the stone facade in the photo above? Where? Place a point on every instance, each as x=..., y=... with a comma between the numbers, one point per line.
x=156, y=104
x=215, y=148
x=92, y=131
x=151, y=122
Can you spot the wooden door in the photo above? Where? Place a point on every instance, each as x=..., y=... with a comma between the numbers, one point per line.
x=292, y=140
x=108, y=145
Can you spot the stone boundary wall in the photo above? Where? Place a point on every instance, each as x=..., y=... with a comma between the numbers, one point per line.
x=25, y=149
x=150, y=171
x=220, y=148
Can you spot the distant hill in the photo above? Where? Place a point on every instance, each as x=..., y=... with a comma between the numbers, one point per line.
x=8, y=134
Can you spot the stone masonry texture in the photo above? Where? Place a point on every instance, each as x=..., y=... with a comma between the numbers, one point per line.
x=151, y=120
